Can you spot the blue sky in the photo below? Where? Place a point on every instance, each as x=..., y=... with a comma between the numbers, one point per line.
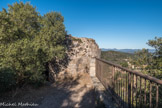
x=112, y=23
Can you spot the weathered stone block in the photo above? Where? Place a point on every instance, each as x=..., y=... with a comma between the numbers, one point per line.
x=81, y=56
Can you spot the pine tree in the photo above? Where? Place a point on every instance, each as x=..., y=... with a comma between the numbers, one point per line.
x=156, y=65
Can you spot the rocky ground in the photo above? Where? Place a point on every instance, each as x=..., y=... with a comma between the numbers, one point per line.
x=68, y=93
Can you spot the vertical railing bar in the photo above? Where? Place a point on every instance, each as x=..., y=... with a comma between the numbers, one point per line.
x=133, y=90
x=120, y=88
x=140, y=93
x=150, y=94
x=97, y=68
x=136, y=91
x=145, y=95
x=115, y=79
x=97, y=65
x=100, y=70
x=123, y=89
x=126, y=88
x=113, y=82
x=129, y=90
x=157, y=96
x=119, y=82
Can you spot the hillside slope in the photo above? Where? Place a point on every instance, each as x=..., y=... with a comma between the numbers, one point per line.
x=116, y=57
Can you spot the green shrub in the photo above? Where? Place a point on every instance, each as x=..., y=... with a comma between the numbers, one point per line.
x=77, y=39
x=7, y=79
x=124, y=64
x=28, y=41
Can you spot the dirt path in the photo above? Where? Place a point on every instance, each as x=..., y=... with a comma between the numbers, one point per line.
x=70, y=93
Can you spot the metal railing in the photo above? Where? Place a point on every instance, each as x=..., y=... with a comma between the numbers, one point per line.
x=129, y=88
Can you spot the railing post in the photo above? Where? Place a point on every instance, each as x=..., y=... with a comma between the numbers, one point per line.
x=129, y=90
x=140, y=98
x=150, y=94
x=136, y=91
x=126, y=98
x=113, y=77
x=133, y=90
x=145, y=94
x=113, y=80
x=157, y=96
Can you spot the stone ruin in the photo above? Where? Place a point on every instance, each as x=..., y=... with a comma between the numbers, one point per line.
x=80, y=58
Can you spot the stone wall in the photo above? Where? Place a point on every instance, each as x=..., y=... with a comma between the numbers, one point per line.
x=81, y=55
x=79, y=59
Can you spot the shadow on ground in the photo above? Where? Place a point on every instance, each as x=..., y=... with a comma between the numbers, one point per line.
x=72, y=93
x=69, y=93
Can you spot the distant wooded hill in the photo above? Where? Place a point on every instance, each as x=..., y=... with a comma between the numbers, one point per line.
x=126, y=50
x=116, y=57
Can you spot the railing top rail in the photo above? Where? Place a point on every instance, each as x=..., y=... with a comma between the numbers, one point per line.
x=153, y=79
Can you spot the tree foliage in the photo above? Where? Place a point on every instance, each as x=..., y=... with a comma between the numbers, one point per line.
x=52, y=36
x=156, y=65
x=150, y=63
x=28, y=41
x=142, y=59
